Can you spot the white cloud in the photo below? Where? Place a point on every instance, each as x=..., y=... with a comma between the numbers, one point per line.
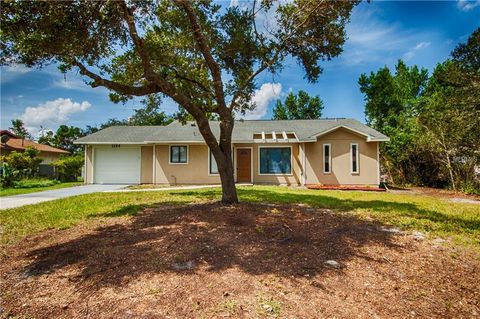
x=411, y=53
x=52, y=113
x=13, y=71
x=75, y=84
x=466, y=5
x=372, y=40
x=17, y=68
x=366, y=36
x=261, y=98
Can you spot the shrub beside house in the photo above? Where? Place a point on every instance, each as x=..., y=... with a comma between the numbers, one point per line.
x=22, y=158
x=48, y=154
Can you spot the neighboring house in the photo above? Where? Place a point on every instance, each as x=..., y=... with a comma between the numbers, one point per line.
x=48, y=154
x=292, y=152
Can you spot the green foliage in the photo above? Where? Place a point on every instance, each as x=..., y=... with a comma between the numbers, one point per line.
x=35, y=182
x=18, y=128
x=308, y=31
x=18, y=165
x=433, y=122
x=451, y=122
x=10, y=191
x=390, y=106
x=389, y=97
x=150, y=114
x=69, y=168
x=47, y=137
x=8, y=174
x=468, y=54
x=300, y=106
x=65, y=136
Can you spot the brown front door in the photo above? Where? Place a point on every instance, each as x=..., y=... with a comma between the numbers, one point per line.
x=244, y=165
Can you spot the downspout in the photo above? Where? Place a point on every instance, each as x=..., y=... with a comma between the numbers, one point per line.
x=85, y=169
x=378, y=163
x=303, y=160
x=154, y=164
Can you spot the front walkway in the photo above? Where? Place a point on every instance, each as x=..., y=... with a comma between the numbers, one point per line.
x=34, y=198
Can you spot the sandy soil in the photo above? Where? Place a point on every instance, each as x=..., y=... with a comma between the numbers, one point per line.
x=242, y=261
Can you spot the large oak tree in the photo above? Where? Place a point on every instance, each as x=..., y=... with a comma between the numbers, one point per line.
x=204, y=56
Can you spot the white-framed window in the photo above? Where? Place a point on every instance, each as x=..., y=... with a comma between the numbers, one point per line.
x=327, y=158
x=354, y=158
x=212, y=164
x=178, y=154
x=275, y=160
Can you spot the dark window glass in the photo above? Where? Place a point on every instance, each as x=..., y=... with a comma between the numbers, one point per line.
x=213, y=164
x=354, y=158
x=275, y=160
x=178, y=154
x=326, y=159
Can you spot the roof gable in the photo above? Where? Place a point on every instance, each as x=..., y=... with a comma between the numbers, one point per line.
x=368, y=137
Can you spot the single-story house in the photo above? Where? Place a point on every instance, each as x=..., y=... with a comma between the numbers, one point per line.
x=48, y=154
x=292, y=152
x=11, y=142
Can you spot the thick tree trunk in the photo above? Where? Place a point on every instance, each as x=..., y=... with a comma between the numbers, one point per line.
x=229, y=191
x=222, y=152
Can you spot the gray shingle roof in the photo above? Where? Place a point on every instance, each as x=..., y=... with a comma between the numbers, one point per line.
x=305, y=130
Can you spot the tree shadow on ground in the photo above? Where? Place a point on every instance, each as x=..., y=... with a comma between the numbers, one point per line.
x=284, y=240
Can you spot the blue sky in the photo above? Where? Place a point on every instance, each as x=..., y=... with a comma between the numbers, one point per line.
x=380, y=33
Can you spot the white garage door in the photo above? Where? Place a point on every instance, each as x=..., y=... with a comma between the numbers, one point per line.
x=116, y=165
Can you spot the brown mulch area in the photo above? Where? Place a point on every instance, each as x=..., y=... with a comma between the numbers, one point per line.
x=241, y=261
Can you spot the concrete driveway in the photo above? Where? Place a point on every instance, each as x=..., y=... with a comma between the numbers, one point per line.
x=38, y=197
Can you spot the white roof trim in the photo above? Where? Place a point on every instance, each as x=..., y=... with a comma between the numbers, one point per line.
x=105, y=143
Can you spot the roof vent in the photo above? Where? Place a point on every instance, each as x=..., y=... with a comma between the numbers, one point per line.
x=192, y=124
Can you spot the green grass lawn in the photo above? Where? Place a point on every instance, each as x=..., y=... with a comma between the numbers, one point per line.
x=18, y=191
x=434, y=216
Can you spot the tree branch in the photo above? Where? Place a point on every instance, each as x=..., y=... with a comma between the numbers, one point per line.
x=206, y=52
x=114, y=86
x=144, y=55
x=165, y=86
x=265, y=65
x=138, y=42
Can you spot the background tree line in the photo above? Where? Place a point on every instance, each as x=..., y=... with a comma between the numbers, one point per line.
x=433, y=121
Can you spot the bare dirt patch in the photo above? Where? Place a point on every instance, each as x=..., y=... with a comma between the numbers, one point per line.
x=246, y=260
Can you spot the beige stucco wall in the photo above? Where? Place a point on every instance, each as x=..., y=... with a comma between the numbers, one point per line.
x=146, y=166
x=340, y=163
x=88, y=179
x=49, y=157
x=194, y=172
